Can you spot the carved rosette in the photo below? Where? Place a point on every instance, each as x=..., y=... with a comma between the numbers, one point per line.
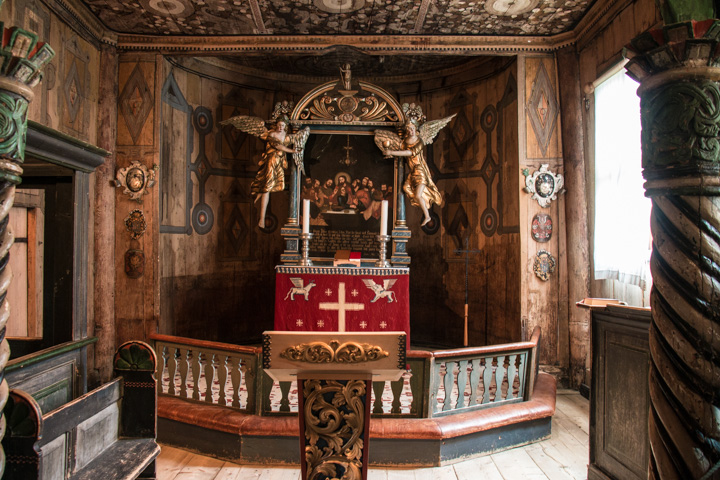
x=334, y=427
x=334, y=352
x=679, y=70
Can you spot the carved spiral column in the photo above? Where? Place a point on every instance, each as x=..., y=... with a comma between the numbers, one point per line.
x=20, y=71
x=680, y=112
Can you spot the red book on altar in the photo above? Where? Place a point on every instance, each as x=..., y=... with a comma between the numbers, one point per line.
x=342, y=299
x=346, y=258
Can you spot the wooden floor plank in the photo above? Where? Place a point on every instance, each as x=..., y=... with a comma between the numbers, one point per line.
x=229, y=471
x=481, y=468
x=517, y=464
x=200, y=468
x=400, y=474
x=551, y=463
x=446, y=472
x=170, y=462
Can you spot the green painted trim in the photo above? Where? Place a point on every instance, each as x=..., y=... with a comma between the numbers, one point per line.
x=48, y=353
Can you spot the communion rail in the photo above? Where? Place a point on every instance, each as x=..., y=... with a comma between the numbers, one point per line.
x=436, y=383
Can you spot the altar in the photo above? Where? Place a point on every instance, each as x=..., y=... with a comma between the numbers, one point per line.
x=342, y=299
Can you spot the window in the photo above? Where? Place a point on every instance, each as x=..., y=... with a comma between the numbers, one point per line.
x=622, y=241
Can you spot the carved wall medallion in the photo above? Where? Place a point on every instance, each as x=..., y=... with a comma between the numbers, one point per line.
x=136, y=179
x=134, y=263
x=544, y=185
x=334, y=352
x=542, y=227
x=544, y=265
x=135, y=224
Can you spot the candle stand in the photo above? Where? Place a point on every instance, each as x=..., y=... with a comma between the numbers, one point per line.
x=382, y=261
x=305, y=255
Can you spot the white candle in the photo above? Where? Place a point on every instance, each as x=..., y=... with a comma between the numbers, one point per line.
x=306, y=216
x=383, y=217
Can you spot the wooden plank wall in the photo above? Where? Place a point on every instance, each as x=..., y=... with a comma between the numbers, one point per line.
x=481, y=140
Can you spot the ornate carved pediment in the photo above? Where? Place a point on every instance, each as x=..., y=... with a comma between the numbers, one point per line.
x=347, y=101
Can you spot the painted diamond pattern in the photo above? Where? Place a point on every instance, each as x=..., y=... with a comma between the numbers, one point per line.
x=136, y=102
x=236, y=228
x=462, y=133
x=73, y=91
x=234, y=137
x=543, y=108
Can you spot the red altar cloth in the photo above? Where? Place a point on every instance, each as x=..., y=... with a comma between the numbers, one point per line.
x=331, y=299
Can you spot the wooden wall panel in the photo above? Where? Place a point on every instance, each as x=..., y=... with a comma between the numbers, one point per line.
x=541, y=305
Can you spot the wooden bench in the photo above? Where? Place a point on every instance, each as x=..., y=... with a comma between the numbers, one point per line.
x=106, y=434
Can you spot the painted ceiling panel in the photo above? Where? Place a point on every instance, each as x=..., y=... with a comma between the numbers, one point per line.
x=340, y=17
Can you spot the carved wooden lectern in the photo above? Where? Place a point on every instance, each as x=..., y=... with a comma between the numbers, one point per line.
x=334, y=371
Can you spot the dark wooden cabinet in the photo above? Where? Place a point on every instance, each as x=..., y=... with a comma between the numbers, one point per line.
x=619, y=397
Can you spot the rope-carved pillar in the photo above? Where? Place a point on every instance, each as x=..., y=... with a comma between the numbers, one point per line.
x=20, y=71
x=680, y=112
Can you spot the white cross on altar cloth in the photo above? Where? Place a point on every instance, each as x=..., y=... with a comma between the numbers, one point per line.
x=341, y=306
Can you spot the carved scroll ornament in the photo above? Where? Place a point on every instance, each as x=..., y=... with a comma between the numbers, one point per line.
x=333, y=430
x=334, y=352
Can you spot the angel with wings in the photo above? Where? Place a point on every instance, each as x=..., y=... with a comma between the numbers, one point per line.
x=419, y=186
x=270, y=176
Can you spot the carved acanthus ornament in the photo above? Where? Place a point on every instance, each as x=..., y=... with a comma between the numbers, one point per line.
x=347, y=101
x=334, y=352
x=333, y=430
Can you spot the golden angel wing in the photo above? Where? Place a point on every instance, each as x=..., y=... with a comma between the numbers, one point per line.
x=248, y=124
x=299, y=139
x=429, y=130
x=297, y=282
x=387, y=140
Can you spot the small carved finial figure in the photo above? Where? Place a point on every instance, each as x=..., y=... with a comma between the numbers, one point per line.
x=345, y=75
x=271, y=174
x=419, y=186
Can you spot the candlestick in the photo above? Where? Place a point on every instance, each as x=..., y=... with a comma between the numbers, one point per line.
x=306, y=216
x=305, y=256
x=383, y=217
x=382, y=261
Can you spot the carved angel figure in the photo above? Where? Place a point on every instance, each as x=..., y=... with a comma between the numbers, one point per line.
x=419, y=186
x=271, y=174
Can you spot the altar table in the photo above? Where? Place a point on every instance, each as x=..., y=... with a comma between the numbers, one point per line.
x=342, y=299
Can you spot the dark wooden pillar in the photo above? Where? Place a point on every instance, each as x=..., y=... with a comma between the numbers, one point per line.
x=680, y=112
x=576, y=213
x=104, y=219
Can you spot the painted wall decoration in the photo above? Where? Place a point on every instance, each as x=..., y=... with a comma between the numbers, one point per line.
x=176, y=146
x=544, y=265
x=73, y=99
x=542, y=228
x=235, y=146
x=543, y=185
x=136, y=103
x=135, y=179
x=542, y=108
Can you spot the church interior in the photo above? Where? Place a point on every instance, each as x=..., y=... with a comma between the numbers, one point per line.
x=151, y=238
